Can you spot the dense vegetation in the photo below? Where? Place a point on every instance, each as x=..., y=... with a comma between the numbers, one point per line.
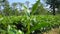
x=38, y=24
x=29, y=20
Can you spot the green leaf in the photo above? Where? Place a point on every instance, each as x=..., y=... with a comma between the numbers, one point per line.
x=35, y=6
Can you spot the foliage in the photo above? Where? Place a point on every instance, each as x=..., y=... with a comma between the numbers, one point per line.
x=35, y=6
x=26, y=23
x=40, y=10
x=37, y=23
x=53, y=4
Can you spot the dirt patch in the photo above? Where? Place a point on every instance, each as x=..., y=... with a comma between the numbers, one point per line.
x=53, y=31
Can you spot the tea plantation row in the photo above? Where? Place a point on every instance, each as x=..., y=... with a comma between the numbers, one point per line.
x=18, y=24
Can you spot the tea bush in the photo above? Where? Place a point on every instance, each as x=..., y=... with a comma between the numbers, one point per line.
x=38, y=24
